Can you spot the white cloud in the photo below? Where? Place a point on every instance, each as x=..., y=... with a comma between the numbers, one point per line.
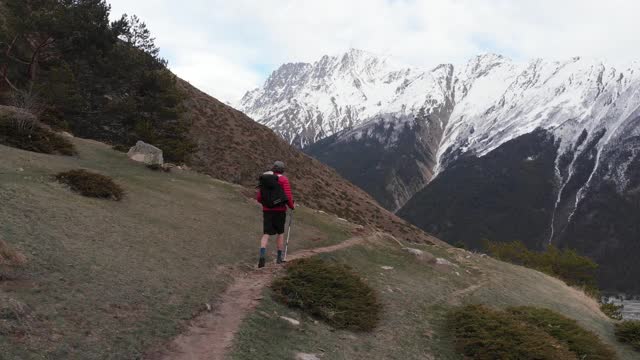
x=215, y=75
x=227, y=45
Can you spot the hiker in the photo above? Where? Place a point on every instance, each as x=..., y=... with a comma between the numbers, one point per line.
x=274, y=193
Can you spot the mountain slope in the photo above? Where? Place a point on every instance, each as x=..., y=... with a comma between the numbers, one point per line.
x=235, y=148
x=589, y=114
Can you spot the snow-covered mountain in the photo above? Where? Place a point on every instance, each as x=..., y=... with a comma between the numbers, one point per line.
x=567, y=131
x=305, y=103
x=481, y=105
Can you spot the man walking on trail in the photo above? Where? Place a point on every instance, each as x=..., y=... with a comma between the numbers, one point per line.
x=274, y=194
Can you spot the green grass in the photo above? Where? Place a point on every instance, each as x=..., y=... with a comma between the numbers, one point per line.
x=111, y=279
x=482, y=333
x=612, y=310
x=329, y=291
x=628, y=332
x=565, y=264
x=417, y=298
x=91, y=184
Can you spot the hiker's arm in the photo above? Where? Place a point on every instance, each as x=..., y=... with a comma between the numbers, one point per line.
x=287, y=190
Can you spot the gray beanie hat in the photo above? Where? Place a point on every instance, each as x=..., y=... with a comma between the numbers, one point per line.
x=278, y=166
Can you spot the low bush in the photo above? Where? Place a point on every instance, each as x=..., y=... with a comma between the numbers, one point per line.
x=91, y=184
x=628, y=332
x=10, y=256
x=612, y=310
x=27, y=134
x=331, y=292
x=158, y=167
x=566, y=264
x=482, y=333
x=121, y=148
x=585, y=344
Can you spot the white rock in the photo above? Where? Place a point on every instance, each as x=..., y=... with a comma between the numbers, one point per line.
x=412, y=251
x=66, y=134
x=387, y=267
x=146, y=153
x=303, y=356
x=441, y=261
x=291, y=321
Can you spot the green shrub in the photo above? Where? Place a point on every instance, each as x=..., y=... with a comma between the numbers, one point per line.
x=585, y=344
x=28, y=135
x=331, y=292
x=121, y=148
x=566, y=264
x=482, y=333
x=158, y=167
x=628, y=332
x=91, y=184
x=612, y=310
x=460, y=245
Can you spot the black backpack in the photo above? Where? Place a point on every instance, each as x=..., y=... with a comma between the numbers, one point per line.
x=272, y=193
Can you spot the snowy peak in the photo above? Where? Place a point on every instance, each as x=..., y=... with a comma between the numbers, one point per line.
x=307, y=102
x=492, y=99
x=511, y=99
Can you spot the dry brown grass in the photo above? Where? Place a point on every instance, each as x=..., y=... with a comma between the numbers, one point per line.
x=10, y=257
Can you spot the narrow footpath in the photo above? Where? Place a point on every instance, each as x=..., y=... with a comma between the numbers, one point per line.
x=210, y=335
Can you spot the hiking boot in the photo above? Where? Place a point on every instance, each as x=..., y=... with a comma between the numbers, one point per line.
x=280, y=261
x=261, y=262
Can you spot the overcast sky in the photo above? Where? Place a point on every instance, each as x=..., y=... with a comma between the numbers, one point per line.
x=226, y=47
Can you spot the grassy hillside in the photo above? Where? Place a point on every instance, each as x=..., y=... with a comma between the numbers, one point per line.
x=416, y=297
x=108, y=279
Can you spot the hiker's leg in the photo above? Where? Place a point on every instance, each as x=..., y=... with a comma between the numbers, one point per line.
x=280, y=242
x=280, y=222
x=263, y=250
x=264, y=241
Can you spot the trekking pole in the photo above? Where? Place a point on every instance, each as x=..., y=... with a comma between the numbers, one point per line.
x=286, y=246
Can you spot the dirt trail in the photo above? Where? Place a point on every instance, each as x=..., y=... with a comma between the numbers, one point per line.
x=209, y=336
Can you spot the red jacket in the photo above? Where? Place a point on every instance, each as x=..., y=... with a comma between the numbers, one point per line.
x=284, y=182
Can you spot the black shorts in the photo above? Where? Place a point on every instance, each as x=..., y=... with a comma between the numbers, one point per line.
x=274, y=222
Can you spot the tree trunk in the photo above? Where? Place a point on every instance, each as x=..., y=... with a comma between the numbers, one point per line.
x=33, y=65
x=5, y=67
